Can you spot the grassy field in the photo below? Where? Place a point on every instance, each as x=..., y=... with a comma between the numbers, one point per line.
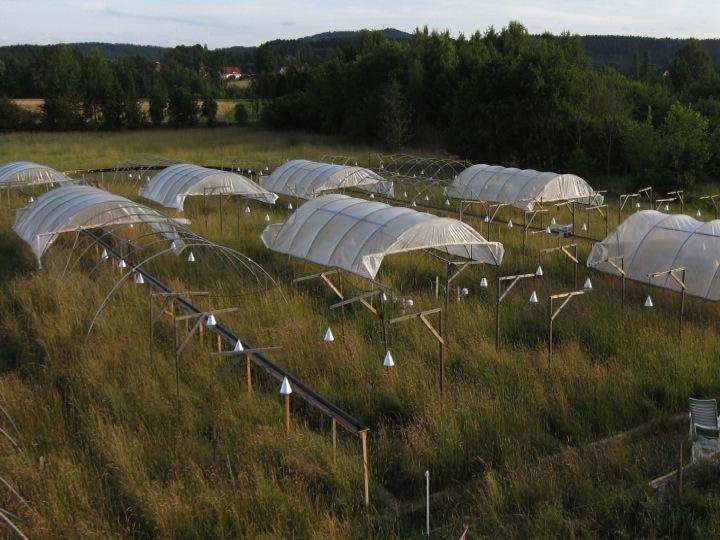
x=225, y=111
x=516, y=447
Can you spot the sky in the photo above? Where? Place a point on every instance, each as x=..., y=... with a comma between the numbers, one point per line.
x=223, y=23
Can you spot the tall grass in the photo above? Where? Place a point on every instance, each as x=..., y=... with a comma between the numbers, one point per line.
x=510, y=445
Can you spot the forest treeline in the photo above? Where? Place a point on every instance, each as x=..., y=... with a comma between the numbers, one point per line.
x=512, y=98
x=503, y=97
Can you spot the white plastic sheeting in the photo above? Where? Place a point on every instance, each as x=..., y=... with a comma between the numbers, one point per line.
x=308, y=179
x=355, y=234
x=25, y=173
x=170, y=186
x=77, y=207
x=651, y=241
x=522, y=188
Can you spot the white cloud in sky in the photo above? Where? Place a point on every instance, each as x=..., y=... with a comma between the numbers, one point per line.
x=221, y=23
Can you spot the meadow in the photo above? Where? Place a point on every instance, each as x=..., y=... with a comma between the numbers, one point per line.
x=516, y=446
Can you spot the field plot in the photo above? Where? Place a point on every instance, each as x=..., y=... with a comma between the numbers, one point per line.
x=516, y=445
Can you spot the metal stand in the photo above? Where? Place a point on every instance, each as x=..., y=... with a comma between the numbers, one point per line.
x=565, y=250
x=553, y=313
x=501, y=294
x=677, y=274
x=437, y=334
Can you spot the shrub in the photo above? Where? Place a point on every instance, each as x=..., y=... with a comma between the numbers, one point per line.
x=241, y=114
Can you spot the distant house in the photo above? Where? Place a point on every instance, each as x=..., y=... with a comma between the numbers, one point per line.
x=231, y=73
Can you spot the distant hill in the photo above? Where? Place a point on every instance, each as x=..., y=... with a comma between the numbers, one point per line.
x=618, y=51
x=614, y=51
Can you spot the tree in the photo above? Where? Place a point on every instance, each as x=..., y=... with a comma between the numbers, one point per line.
x=158, y=102
x=241, y=114
x=692, y=72
x=685, y=143
x=395, y=116
x=609, y=109
x=182, y=107
x=62, y=73
x=265, y=59
x=209, y=109
x=95, y=84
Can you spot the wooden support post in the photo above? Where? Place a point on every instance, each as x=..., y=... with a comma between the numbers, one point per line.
x=334, y=440
x=221, y=213
x=366, y=478
x=287, y=414
x=441, y=351
x=550, y=330
x=680, y=470
x=248, y=375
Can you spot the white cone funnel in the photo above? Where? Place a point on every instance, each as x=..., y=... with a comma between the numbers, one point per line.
x=698, y=213
x=553, y=222
x=427, y=198
x=404, y=194
x=328, y=336
x=588, y=285
x=464, y=291
x=510, y=224
x=191, y=257
x=173, y=245
x=290, y=206
x=548, y=231
x=539, y=271
x=413, y=203
x=487, y=219
x=648, y=302
x=31, y=200
x=247, y=209
x=637, y=205
x=267, y=218
x=388, y=361
x=667, y=207
x=122, y=264
x=584, y=227
x=285, y=388
x=210, y=320
x=238, y=346
x=483, y=282
x=372, y=195
x=139, y=279
x=104, y=255
x=447, y=202
x=533, y=298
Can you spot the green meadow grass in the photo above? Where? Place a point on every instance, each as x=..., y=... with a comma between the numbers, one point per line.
x=512, y=445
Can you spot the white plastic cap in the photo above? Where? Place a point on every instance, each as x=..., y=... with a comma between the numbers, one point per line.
x=139, y=278
x=587, y=285
x=648, y=302
x=328, y=336
x=553, y=222
x=267, y=218
x=247, y=209
x=584, y=227
x=539, y=271
x=483, y=282
x=210, y=320
x=533, y=298
x=388, y=361
x=285, y=388
x=238, y=347
x=510, y=224
x=191, y=257
x=122, y=264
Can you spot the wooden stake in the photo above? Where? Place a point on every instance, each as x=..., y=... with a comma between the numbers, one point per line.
x=366, y=479
x=248, y=375
x=287, y=414
x=334, y=440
